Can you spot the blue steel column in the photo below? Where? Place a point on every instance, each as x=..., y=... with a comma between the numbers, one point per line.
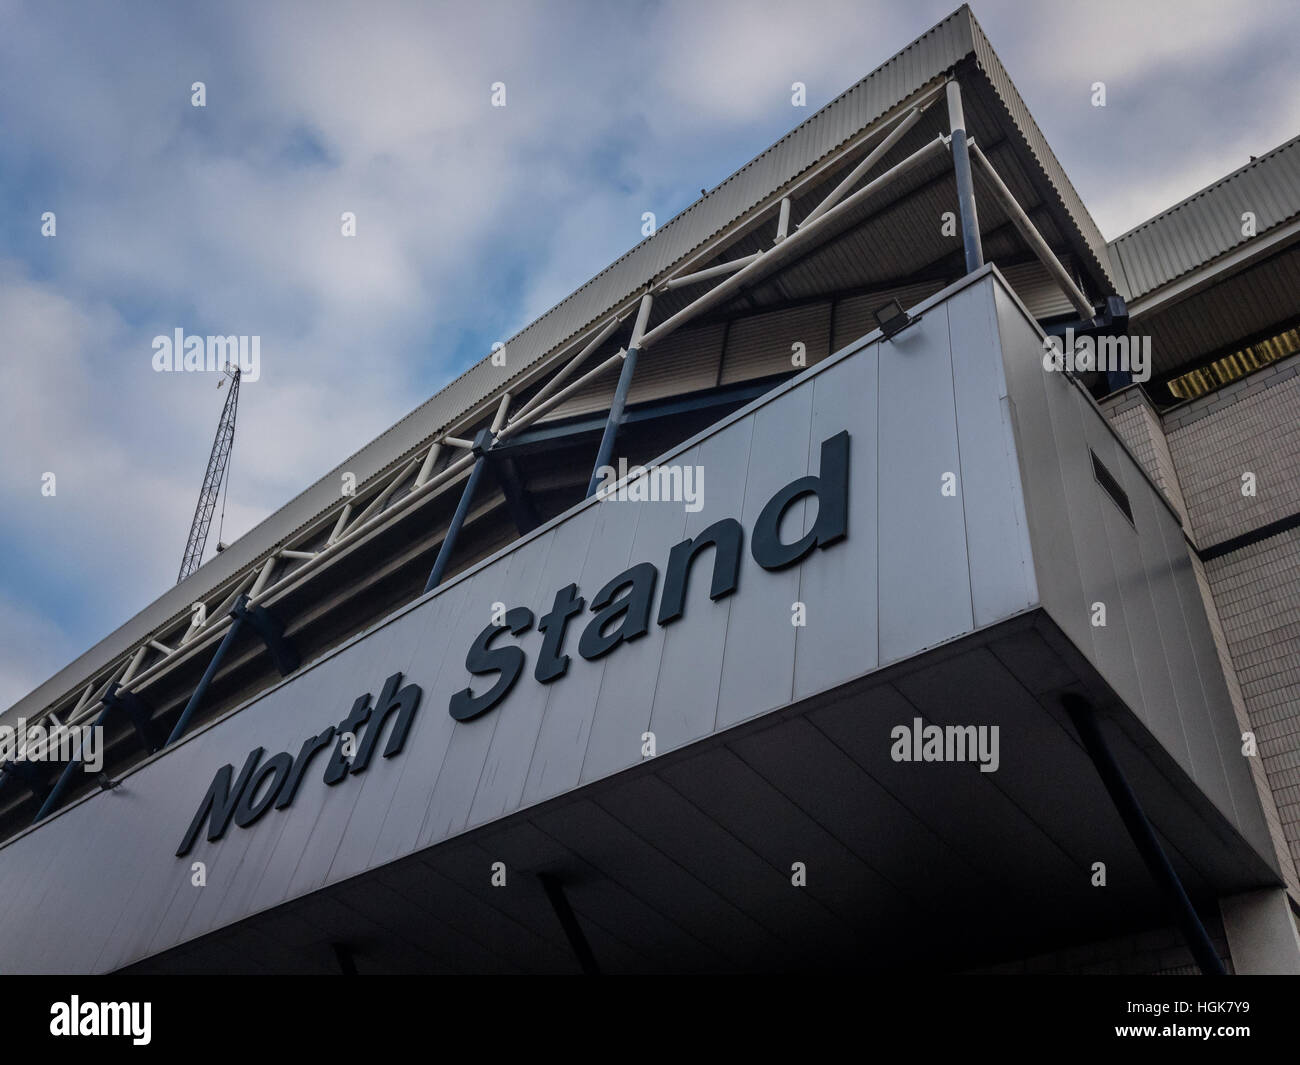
x=237, y=622
x=970, y=226
x=569, y=923
x=65, y=778
x=615, y=419
x=282, y=653
x=482, y=443
x=1143, y=835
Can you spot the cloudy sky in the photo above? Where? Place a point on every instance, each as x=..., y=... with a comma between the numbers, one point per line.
x=471, y=220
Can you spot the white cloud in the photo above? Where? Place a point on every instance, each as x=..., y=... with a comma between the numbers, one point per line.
x=471, y=220
x=34, y=646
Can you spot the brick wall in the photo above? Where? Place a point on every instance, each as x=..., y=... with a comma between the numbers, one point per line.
x=1253, y=425
x=1257, y=591
x=1283, y=843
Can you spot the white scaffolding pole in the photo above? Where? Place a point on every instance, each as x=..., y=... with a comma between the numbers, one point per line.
x=1031, y=235
x=873, y=157
x=567, y=370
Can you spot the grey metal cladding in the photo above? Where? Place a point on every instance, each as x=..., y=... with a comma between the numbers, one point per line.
x=1155, y=650
x=844, y=630
x=628, y=685
x=922, y=531
x=721, y=662
x=1209, y=223
x=685, y=700
x=753, y=186
x=758, y=658
x=1002, y=582
x=565, y=732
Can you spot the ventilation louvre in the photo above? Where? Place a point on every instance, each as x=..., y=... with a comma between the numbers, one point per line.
x=1112, y=487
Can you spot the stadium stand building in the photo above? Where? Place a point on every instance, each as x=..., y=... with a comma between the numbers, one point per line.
x=476, y=718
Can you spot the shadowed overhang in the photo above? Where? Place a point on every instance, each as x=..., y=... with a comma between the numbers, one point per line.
x=685, y=864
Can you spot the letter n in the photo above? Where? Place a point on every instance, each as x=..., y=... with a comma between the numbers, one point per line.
x=725, y=538
x=219, y=803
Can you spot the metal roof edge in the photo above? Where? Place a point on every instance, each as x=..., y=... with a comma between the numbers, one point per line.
x=1257, y=162
x=1067, y=196
x=1205, y=228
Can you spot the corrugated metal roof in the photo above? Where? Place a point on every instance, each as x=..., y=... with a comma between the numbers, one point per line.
x=1092, y=243
x=1208, y=224
x=922, y=63
x=1260, y=298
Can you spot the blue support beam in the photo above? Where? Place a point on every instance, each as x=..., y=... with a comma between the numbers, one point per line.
x=265, y=624
x=482, y=443
x=970, y=226
x=70, y=770
x=140, y=714
x=614, y=420
x=569, y=923
x=183, y=721
x=521, y=508
x=269, y=628
x=1142, y=833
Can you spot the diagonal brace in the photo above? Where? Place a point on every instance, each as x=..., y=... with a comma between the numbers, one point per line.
x=569, y=922
x=140, y=714
x=271, y=630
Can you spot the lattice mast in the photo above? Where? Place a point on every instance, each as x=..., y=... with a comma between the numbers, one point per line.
x=212, y=479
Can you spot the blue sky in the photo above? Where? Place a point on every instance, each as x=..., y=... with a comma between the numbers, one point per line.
x=471, y=220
